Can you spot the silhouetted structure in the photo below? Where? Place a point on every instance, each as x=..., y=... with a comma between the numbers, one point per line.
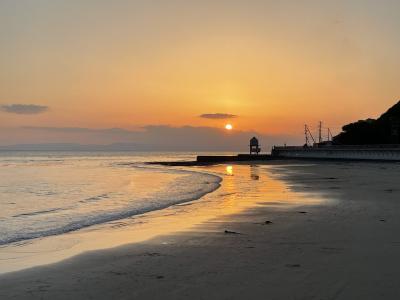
x=370, y=139
x=254, y=146
x=384, y=130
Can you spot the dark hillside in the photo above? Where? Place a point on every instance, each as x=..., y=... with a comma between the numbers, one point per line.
x=384, y=130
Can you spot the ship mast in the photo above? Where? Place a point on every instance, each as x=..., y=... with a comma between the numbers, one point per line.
x=308, y=134
x=320, y=132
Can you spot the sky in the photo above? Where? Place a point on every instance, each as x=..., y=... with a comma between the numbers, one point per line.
x=71, y=70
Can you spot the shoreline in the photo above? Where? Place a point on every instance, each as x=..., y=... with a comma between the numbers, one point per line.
x=134, y=229
x=301, y=254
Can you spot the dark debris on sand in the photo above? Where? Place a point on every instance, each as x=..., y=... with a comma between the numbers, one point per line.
x=231, y=232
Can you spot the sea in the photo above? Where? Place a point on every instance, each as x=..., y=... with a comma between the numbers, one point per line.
x=51, y=193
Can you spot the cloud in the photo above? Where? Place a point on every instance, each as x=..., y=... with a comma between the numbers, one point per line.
x=24, y=109
x=218, y=116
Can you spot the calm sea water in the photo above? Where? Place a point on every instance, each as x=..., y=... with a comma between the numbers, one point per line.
x=50, y=193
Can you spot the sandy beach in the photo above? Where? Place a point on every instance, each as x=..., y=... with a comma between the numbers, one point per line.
x=344, y=246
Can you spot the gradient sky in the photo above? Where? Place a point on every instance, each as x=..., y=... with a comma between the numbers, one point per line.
x=128, y=64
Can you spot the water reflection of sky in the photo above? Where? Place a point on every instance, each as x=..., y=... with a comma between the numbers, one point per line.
x=243, y=187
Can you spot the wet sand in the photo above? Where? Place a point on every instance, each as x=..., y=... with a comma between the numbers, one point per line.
x=344, y=247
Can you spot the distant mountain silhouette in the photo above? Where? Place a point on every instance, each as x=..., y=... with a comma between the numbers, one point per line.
x=384, y=130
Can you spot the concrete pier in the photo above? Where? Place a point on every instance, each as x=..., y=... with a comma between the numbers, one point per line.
x=377, y=153
x=232, y=158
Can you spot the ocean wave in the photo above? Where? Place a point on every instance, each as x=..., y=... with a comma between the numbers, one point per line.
x=95, y=198
x=191, y=186
x=35, y=213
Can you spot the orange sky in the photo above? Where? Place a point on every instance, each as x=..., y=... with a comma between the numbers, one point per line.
x=127, y=64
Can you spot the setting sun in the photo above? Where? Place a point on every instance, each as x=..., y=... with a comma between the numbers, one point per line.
x=228, y=127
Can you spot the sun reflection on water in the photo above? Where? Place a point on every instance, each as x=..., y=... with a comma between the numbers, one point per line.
x=229, y=170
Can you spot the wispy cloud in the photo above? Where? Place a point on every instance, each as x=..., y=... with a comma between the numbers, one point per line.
x=218, y=116
x=24, y=109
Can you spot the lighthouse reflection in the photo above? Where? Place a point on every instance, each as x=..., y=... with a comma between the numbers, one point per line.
x=254, y=172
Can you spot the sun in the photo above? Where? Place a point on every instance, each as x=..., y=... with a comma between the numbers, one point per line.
x=228, y=127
